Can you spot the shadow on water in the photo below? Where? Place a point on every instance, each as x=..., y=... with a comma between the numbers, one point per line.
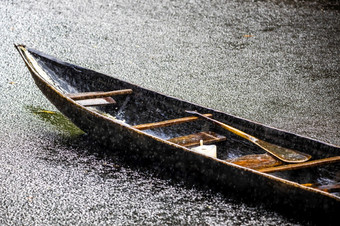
x=76, y=147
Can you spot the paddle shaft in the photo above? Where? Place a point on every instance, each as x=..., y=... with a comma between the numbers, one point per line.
x=229, y=128
x=284, y=154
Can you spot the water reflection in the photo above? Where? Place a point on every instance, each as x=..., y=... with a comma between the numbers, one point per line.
x=56, y=119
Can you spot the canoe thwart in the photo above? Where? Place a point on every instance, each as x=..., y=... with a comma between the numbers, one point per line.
x=194, y=139
x=296, y=166
x=96, y=101
x=256, y=161
x=167, y=122
x=92, y=95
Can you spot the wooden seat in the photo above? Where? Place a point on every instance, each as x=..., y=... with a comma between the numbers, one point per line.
x=97, y=98
x=194, y=139
x=96, y=101
x=167, y=122
x=93, y=95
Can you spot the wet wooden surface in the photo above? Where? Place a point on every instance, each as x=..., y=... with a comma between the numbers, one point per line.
x=167, y=122
x=194, y=139
x=92, y=95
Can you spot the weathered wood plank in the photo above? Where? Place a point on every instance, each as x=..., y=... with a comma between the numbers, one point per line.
x=313, y=163
x=167, y=122
x=96, y=101
x=194, y=139
x=256, y=161
x=92, y=95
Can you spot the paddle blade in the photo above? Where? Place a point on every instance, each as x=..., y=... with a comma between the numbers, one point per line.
x=284, y=154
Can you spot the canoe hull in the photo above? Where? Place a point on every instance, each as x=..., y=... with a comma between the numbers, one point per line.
x=288, y=197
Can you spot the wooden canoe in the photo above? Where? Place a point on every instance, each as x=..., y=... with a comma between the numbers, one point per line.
x=156, y=127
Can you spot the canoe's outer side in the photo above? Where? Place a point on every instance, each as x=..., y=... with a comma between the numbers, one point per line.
x=290, y=197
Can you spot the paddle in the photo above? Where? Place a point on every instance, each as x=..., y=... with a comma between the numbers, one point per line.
x=284, y=154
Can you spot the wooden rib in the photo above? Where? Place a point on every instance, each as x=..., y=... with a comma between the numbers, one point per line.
x=92, y=95
x=194, y=139
x=167, y=122
x=301, y=165
x=96, y=101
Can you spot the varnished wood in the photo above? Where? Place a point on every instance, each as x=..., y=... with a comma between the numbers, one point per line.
x=194, y=139
x=167, y=122
x=96, y=101
x=301, y=165
x=256, y=161
x=92, y=95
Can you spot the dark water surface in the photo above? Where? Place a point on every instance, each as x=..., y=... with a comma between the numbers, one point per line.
x=275, y=62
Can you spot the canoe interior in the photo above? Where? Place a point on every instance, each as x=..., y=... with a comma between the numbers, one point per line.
x=141, y=107
x=144, y=106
